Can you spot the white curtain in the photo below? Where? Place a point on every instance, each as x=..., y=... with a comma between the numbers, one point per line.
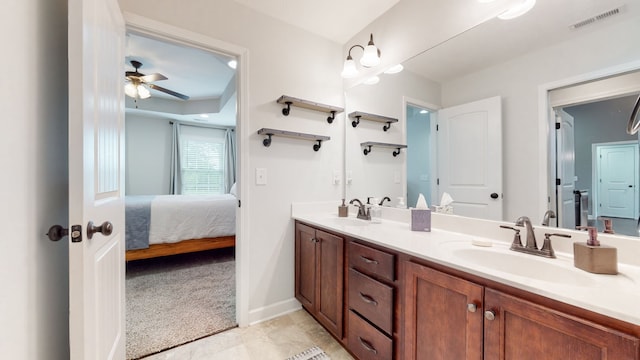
x=230, y=159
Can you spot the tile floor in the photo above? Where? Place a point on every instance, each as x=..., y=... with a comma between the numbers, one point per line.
x=275, y=339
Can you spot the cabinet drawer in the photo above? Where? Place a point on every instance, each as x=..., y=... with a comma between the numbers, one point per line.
x=366, y=342
x=371, y=299
x=371, y=261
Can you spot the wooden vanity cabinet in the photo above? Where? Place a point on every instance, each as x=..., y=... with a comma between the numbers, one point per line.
x=527, y=331
x=442, y=315
x=448, y=317
x=319, y=276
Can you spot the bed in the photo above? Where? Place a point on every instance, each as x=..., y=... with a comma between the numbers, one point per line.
x=164, y=225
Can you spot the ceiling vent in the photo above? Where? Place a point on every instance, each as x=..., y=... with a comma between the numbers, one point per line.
x=594, y=19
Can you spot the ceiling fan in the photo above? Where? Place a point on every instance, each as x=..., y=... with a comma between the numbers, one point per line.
x=136, y=89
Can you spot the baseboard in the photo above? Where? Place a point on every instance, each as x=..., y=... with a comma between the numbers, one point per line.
x=274, y=310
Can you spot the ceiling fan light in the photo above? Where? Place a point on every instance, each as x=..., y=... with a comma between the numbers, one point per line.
x=349, y=69
x=130, y=90
x=143, y=93
x=518, y=10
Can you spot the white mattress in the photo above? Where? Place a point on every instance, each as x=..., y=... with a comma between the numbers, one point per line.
x=179, y=217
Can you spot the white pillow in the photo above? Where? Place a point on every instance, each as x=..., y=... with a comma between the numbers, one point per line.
x=232, y=191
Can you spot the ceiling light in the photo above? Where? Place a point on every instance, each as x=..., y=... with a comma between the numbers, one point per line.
x=232, y=64
x=518, y=10
x=423, y=111
x=136, y=90
x=372, y=80
x=204, y=116
x=370, y=58
x=394, y=69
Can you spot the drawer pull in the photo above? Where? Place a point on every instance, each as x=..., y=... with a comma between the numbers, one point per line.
x=368, y=299
x=367, y=345
x=368, y=261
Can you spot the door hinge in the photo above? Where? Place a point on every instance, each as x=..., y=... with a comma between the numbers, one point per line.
x=438, y=181
x=239, y=203
x=558, y=182
x=76, y=233
x=557, y=126
x=437, y=127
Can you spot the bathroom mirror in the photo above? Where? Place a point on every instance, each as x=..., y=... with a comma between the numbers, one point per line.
x=510, y=59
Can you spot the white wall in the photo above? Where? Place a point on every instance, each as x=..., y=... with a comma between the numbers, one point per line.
x=282, y=60
x=34, y=304
x=375, y=174
x=517, y=81
x=147, y=155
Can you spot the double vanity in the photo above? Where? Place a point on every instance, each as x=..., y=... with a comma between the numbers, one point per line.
x=458, y=292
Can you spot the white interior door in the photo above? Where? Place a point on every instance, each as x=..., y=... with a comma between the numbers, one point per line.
x=96, y=162
x=469, y=140
x=566, y=169
x=617, y=167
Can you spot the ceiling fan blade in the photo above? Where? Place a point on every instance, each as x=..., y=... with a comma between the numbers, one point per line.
x=152, y=78
x=170, y=92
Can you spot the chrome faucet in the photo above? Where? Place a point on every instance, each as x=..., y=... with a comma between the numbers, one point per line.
x=363, y=211
x=548, y=215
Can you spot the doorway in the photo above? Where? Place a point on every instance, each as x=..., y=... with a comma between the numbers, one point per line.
x=230, y=102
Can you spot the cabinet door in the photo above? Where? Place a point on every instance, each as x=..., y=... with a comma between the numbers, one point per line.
x=330, y=276
x=523, y=330
x=305, y=272
x=443, y=315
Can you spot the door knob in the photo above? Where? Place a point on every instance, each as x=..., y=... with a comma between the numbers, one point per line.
x=106, y=229
x=494, y=195
x=472, y=307
x=57, y=232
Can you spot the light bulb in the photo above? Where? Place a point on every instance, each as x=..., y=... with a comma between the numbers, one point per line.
x=130, y=90
x=349, y=70
x=370, y=58
x=143, y=92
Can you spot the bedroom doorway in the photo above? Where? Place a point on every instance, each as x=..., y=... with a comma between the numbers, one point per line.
x=178, y=142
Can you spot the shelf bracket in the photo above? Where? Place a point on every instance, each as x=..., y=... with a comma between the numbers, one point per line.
x=267, y=142
x=367, y=151
x=286, y=111
x=331, y=117
x=355, y=123
x=317, y=146
x=396, y=152
x=386, y=127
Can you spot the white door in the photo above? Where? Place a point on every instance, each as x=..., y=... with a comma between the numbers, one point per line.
x=96, y=178
x=617, y=167
x=566, y=169
x=469, y=140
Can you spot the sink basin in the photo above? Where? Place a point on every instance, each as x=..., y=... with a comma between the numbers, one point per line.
x=348, y=221
x=523, y=265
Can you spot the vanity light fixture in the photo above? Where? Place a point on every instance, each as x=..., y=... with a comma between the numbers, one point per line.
x=136, y=90
x=394, y=69
x=518, y=10
x=370, y=58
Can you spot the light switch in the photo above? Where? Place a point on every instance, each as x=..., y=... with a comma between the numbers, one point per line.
x=261, y=176
x=349, y=177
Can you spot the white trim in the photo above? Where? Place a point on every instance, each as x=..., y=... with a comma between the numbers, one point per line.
x=546, y=118
x=146, y=26
x=273, y=311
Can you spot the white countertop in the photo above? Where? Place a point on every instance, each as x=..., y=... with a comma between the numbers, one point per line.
x=617, y=296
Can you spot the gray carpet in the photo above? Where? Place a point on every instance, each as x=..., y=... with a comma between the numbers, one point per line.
x=177, y=299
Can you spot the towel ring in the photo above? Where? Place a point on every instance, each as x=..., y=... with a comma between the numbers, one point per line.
x=634, y=120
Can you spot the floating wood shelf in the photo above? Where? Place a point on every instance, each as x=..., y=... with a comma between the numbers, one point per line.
x=274, y=132
x=291, y=101
x=369, y=144
x=359, y=115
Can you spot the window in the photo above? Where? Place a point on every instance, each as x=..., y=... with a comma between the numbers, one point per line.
x=202, y=161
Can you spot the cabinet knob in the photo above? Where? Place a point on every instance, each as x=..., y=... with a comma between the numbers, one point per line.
x=489, y=315
x=472, y=307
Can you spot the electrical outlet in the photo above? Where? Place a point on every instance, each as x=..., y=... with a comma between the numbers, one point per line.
x=261, y=176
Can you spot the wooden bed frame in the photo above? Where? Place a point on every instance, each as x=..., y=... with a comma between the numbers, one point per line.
x=182, y=247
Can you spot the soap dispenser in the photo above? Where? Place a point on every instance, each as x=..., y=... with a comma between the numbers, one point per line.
x=343, y=210
x=594, y=257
